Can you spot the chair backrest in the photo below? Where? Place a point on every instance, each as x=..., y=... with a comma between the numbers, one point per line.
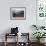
x=14, y=30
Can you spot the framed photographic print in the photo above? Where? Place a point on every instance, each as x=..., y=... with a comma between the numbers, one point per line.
x=17, y=13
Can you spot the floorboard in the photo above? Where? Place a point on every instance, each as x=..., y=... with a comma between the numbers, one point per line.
x=13, y=44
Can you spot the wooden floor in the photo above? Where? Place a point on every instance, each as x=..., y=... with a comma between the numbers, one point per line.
x=13, y=44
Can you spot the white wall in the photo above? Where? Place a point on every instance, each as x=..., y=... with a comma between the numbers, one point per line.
x=24, y=25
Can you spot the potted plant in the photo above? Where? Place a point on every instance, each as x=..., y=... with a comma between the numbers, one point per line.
x=39, y=35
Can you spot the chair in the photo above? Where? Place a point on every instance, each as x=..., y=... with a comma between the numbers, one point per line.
x=26, y=37
x=14, y=32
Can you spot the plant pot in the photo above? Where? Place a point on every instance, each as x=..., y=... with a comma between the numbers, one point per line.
x=38, y=40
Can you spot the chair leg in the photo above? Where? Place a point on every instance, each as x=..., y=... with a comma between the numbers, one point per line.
x=5, y=40
x=5, y=43
x=17, y=39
